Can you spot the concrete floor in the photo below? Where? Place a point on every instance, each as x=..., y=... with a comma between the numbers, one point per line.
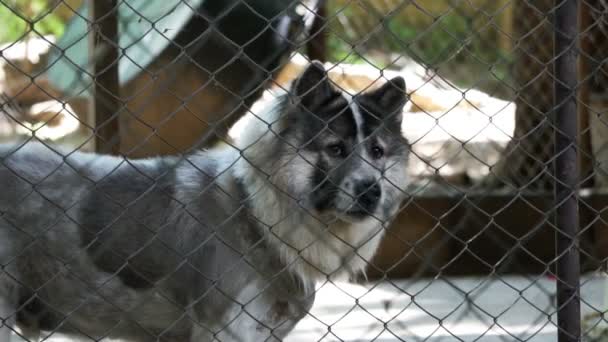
x=505, y=309
x=471, y=309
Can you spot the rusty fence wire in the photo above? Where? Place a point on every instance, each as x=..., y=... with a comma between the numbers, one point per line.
x=500, y=232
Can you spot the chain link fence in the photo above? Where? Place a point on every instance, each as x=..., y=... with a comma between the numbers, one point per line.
x=498, y=226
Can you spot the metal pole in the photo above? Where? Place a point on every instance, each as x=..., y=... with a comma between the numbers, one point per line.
x=585, y=161
x=107, y=89
x=566, y=172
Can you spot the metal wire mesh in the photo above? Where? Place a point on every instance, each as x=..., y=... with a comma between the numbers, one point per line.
x=218, y=240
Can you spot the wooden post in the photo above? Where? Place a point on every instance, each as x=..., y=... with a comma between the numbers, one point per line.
x=106, y=83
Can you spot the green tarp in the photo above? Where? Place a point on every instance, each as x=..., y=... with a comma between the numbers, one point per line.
x=145, y=29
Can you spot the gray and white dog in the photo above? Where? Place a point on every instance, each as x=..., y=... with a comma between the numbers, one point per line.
x=220, y=245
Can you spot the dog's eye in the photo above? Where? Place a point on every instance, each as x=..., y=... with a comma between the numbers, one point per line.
x=377, y=152
x=336, y=150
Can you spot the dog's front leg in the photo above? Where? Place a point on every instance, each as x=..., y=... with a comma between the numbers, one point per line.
x=7, y=313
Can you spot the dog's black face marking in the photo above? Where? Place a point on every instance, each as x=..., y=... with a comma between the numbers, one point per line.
x=322, y=139
x=348, y=141
x=323, y=193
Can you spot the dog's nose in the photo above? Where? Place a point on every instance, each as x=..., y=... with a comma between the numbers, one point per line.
x=368, y=194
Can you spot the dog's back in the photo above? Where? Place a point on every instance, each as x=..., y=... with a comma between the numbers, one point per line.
x=67, y=231
x=100, y=245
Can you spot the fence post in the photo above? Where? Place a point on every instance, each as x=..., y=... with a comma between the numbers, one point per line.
x=106, y=83
x=585, y=160
x=566, y=172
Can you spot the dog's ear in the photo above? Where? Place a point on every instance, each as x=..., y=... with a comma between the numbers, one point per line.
x=386, y=103
x=391, y=96
x=313, y=86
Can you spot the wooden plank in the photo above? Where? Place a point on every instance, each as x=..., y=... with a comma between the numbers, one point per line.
x=481, y=234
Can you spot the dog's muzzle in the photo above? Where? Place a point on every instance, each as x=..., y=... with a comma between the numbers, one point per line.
x=368, y=194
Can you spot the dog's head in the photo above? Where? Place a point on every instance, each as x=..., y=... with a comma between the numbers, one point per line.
x=346, y=156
